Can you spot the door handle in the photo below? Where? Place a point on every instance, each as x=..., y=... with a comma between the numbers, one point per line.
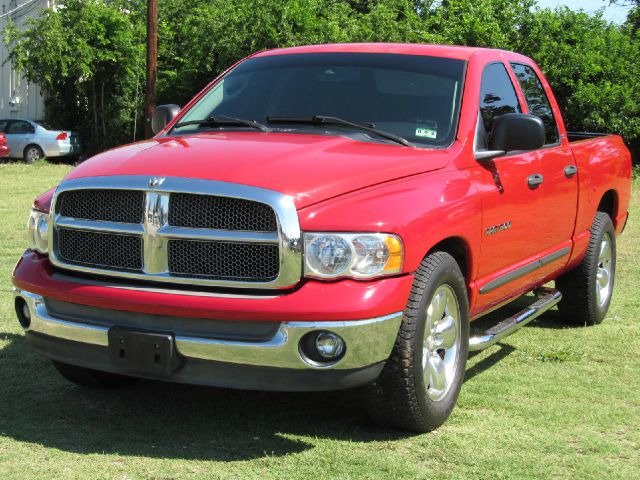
x=570, y=171
x=535, y=180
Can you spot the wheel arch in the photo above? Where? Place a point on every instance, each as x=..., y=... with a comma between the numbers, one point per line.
x=609, y=204
x=460, y=250
x=32, y=144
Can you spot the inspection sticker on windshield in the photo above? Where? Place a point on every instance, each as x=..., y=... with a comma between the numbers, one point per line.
x=426, y=132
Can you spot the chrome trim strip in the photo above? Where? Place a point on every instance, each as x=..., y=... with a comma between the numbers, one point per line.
x=155, y=250
x=367, y=341
x=524, y=270
x=156, y=231
x=218, y=235
x=98, y=225
x=550, y=297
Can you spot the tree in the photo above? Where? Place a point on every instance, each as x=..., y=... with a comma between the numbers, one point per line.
x=633, y=17
x=87, y=58
x=487, y=23
x=593, y=67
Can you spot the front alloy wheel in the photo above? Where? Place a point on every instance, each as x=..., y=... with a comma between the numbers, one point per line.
x=441, y=343
x=421, y=380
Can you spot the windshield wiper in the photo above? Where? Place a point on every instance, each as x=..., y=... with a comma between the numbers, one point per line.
x=324, y=120
x=221, y=120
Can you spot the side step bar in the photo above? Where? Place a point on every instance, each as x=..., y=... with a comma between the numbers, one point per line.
x=547, y=298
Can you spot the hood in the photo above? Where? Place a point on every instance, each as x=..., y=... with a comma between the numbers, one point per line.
x=310, y=168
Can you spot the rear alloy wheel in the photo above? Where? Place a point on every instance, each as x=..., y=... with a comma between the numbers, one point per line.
x=33, y=153
x=419, y=385
x=604, y=275
x=587, y=289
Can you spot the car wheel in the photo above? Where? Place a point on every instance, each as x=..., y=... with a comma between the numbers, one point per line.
x=420, y=382
x=587, y=289
x=33, y=153
x=93, y=378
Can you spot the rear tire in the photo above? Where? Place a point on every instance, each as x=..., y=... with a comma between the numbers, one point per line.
x=587, y=289
x=93, y=378
x=419, y=385
x=33, y=153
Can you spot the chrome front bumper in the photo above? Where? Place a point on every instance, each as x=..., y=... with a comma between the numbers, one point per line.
x=367, y=341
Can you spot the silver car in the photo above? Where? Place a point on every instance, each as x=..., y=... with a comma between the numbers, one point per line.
x=31, y=141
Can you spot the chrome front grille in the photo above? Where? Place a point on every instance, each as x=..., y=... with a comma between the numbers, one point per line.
x=177, y=230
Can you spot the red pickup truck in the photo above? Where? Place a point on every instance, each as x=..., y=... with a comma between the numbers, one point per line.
x=327, y=217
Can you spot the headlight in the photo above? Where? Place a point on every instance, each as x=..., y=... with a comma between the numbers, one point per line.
x=38, y=231
x=358, y=255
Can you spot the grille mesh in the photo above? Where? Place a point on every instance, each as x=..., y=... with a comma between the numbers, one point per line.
x=220, y=213
x=223, y=261
x=197, y=258
x=126, y=206
x=100, y=250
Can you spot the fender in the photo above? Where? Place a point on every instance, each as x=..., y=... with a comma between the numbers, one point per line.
x=423, y=210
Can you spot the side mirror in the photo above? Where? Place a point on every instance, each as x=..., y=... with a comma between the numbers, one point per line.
x=517, y=131
x=162, y=116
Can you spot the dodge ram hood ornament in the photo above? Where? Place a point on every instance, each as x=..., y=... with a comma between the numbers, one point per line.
x=156, y=181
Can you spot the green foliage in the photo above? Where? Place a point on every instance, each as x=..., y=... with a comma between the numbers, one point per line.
x=196, y=47
x=91, y=50
x=487, y=23
x=593, y=68
x=88, y=59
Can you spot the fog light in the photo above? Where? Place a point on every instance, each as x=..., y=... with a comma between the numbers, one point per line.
x=23, y=312
x=321, y=348
x=329, y=345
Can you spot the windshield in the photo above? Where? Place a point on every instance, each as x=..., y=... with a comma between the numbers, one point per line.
x=414, y=97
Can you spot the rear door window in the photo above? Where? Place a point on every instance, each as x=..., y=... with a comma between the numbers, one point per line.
x=3, y=125
x=537, y=100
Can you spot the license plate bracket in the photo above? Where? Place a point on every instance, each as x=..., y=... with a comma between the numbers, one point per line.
x=145, y=352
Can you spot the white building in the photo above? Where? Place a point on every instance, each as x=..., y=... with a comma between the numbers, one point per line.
x=18, y=98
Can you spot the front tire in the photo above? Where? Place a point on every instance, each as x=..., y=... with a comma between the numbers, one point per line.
x=93, y=378
x=419, y=385
x=33, y=153
x=587, y=289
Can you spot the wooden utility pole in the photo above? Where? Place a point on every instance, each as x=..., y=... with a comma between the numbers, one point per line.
x=152, y=64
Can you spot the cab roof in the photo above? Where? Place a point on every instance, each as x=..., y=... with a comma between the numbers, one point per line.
x=445, y=51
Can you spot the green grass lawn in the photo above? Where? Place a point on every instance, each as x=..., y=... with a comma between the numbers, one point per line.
x=549, y=402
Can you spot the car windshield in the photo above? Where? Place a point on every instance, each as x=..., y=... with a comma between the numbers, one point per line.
x=411, y=96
